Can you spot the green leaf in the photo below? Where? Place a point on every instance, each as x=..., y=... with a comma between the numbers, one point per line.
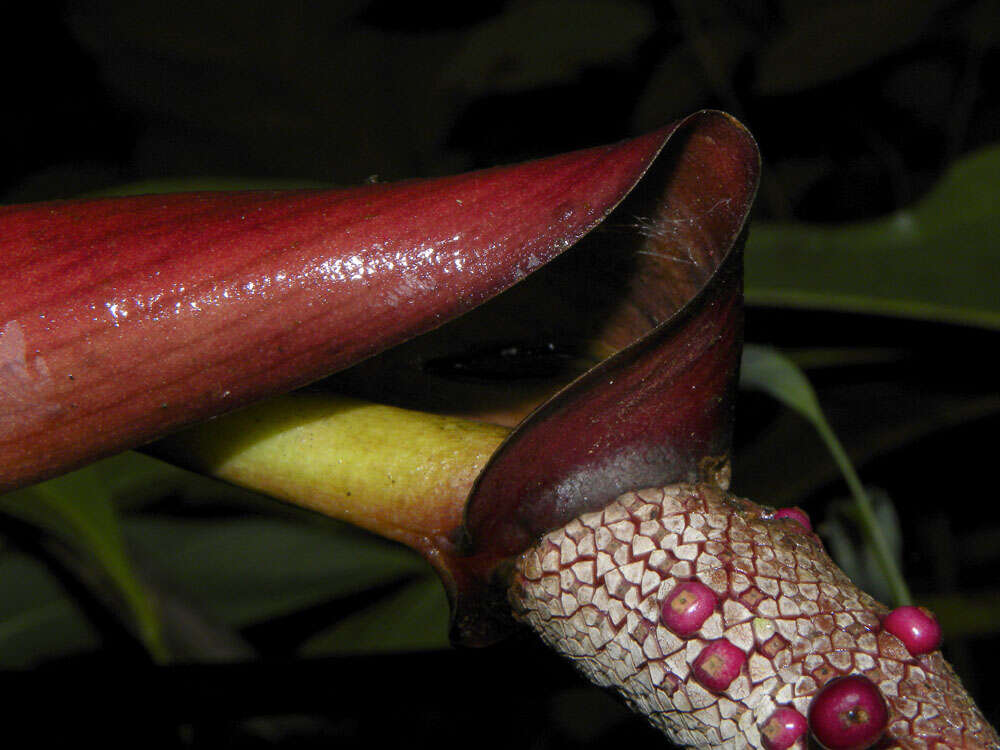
x=244, y=571
x=770, y=371
x=78, y=509
x=237, y=572
x=413, y=619
x=766, y=369
x=38, y=621
x=934, y=261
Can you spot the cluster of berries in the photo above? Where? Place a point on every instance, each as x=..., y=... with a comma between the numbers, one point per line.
x=848, y=713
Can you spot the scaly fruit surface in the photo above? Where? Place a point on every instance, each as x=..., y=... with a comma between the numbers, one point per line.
x=594, y=590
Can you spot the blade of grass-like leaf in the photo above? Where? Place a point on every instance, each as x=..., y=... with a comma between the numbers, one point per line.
x=935, y=260
x=878, y=419
x=768, y=370
x=79, y=509
x=857, y=559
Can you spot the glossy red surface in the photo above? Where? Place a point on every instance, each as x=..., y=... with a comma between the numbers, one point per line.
x=848, y=713
x=783, y=729
x=719, y=663
x=687, y=607
x=122, y=319
x=795, y=514
x=916, y=627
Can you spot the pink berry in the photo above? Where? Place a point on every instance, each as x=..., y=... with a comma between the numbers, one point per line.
x=848, y=713
x=916, y=627
x=718, y=664
x=795, y=514
x=687, y=607
x=784, y=727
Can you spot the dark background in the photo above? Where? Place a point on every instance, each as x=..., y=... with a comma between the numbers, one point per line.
x=859, y=107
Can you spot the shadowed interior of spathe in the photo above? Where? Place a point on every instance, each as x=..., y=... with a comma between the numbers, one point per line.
x=661, y=408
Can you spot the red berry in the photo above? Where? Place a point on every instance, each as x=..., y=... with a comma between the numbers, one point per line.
x=718, y=665
x=848, y=713
x=915, y=627
x=784, y=727
x=795, y=514
x=687, y=607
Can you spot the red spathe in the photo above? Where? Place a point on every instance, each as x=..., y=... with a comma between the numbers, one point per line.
x=122, y=319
